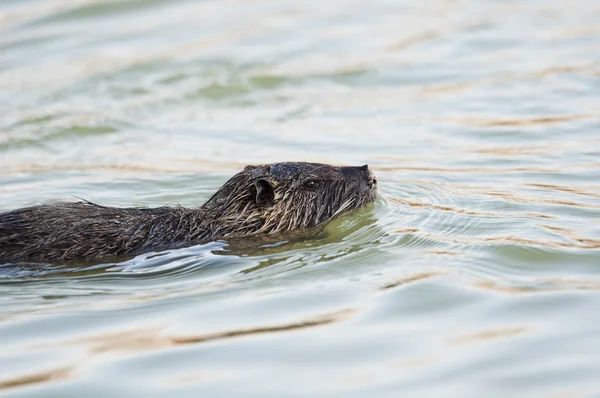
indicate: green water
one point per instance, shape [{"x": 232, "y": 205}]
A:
[{"x": 476, "y": 275}]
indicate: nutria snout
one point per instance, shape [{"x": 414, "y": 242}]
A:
[{"x": 263, "y": 199}]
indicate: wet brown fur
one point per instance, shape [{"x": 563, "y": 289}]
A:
[{"x": 263, "y": 199}]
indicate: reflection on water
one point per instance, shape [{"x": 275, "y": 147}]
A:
[{"x": 475, "y": 274}]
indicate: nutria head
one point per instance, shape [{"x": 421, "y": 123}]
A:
[{"x": 283, "y": 197}]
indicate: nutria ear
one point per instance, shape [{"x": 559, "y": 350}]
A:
[{"x": 265, "y": 195}]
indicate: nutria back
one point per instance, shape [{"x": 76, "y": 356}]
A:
[{"x": 264, "y": 199}]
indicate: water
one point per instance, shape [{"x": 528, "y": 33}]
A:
[{"x": 477, "y": 273}]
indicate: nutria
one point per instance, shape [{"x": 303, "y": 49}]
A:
[{"x": 264, "y": 199}]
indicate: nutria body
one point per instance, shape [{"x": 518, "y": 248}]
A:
[{"x": 261, "y": 199}]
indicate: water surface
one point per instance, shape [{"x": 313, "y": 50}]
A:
[{"x": 476, "y": 274}]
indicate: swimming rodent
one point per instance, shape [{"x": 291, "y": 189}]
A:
[{"x": 263, "y": 199}]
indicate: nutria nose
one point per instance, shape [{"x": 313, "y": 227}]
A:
[
  {"x": 371, "y": 179},
  {"x": 373, "y": 182},
  {"x": 362, "y": 173}
]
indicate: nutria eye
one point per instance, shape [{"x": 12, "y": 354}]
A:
[{"x": 311, "y": 185}]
